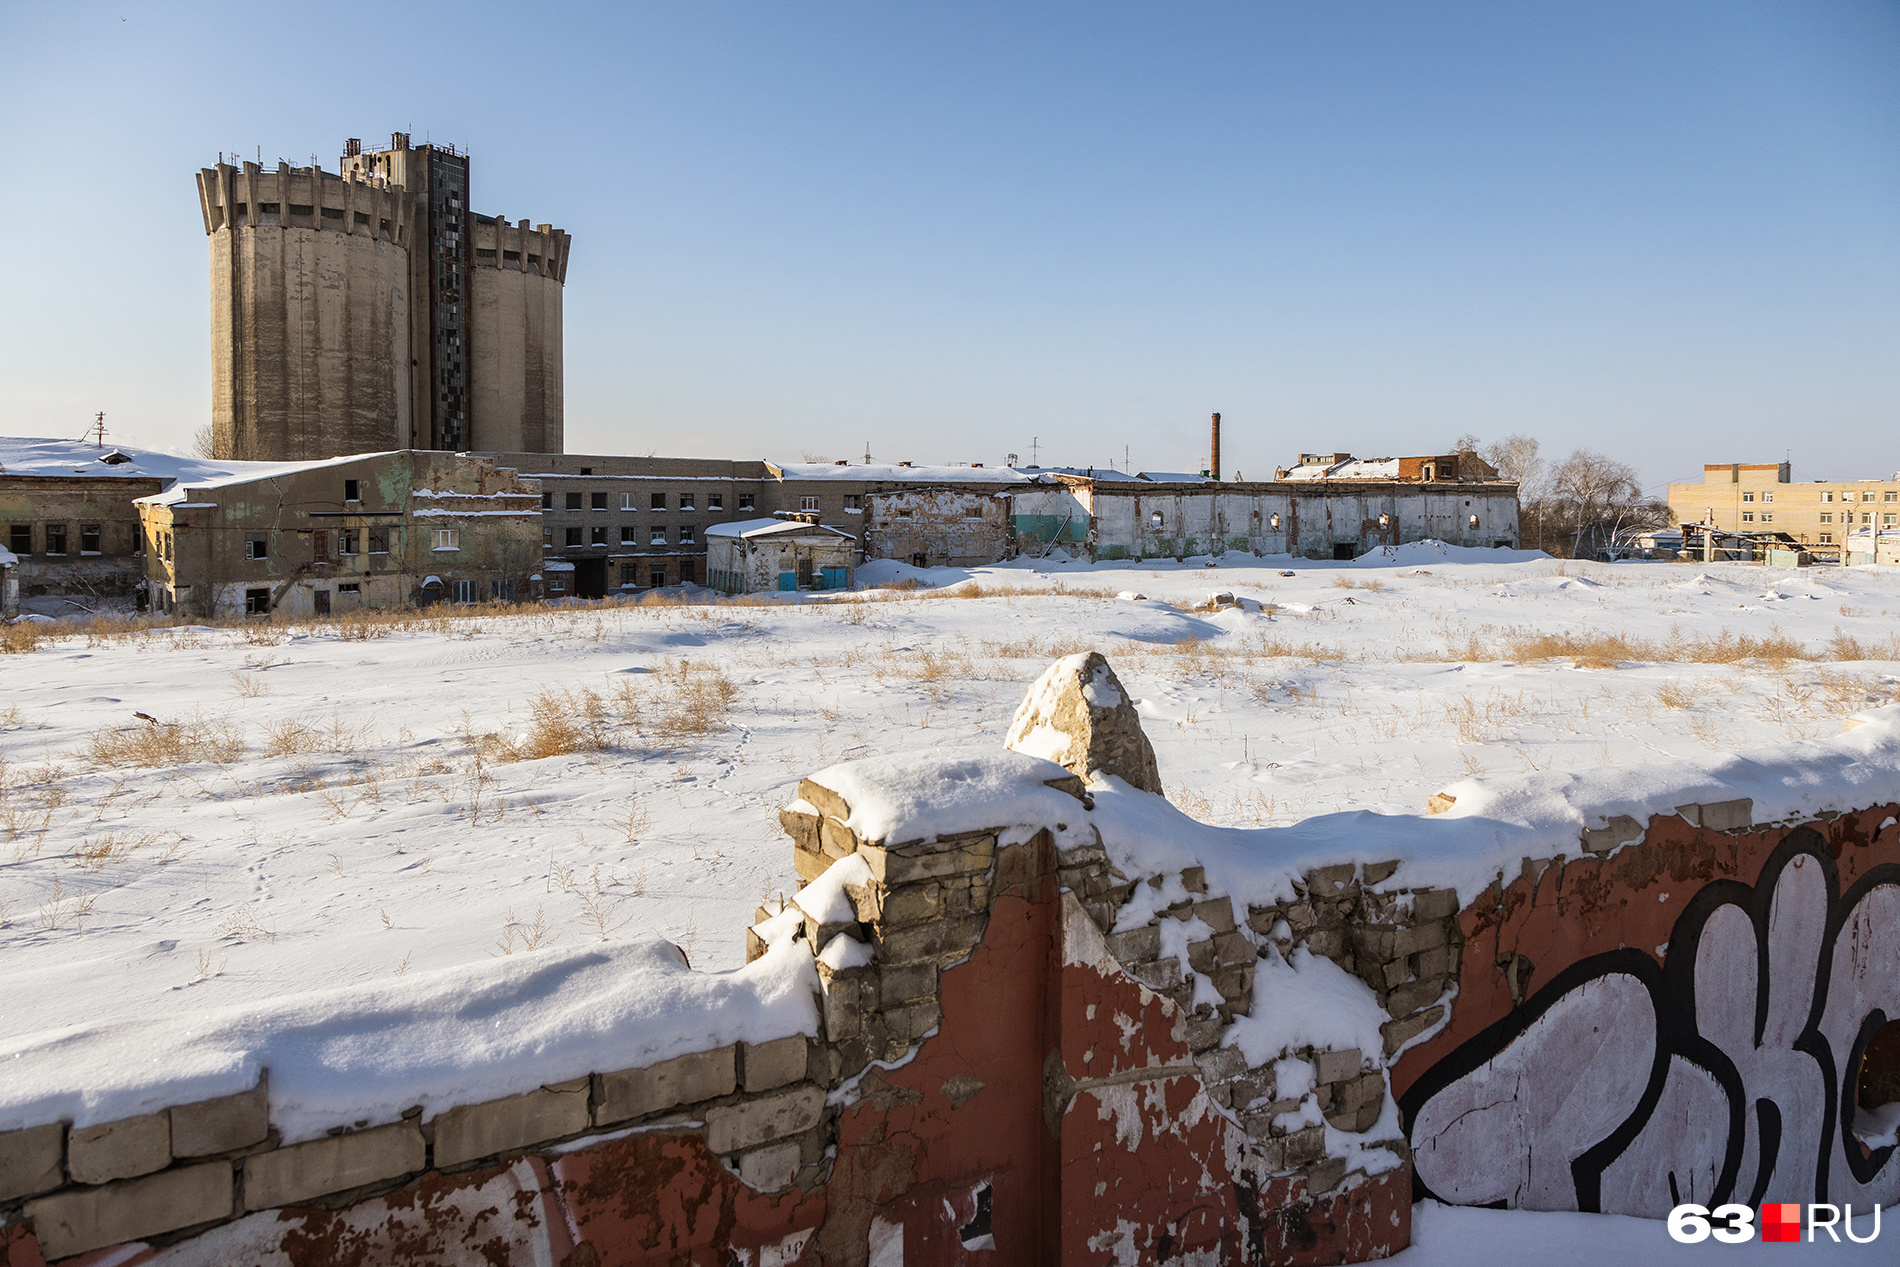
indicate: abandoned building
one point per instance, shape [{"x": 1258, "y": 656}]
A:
[
  {"x": 66, "y": 509},
  {"x": 937, "y": 527},
  {"x": 781, "y": 554},
  {"x": 1444, "y": 468},
  {"x": 378, "y": 530},
  {"x": 1314, "y": 519},
  {"x": 375, "y": 310}
]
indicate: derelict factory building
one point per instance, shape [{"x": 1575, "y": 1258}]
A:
[{"x": 373, "y": 310}]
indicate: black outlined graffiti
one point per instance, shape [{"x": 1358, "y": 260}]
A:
[{"x": 1725, "y": 1074}]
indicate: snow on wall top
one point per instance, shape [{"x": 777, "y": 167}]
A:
[
  {"x": 908, "y": 796},
  {"x": 1352, "y": 469},
  {"x": 891, "y": 472},
  {"x": 769, "y": 527},
  {"x": 190, "y": 484},
  {"x": 457, "y": 1036},
  {"x": 32, "y": 455}
]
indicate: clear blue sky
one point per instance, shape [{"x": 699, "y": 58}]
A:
[{"x": 1669, "y": 231}]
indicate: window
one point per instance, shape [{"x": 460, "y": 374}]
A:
[
  {"x": 1827, "y": 538},
  {"x": 20, "y": 538},
  {"x": 463, "y": 592},
  {"x": 557, "y": 582},
  {"x": 168, "y": 547},
  {"x": 257, "y": 602},
  {"x": 1866, "y": 497},
  {"x": 352, "y": 491},
  {"x": 55, "y": 538},
  {"x": 534, "y": 259},
  {"x": 257, "y": 545},
  {"x": 362, "y": 217},
  {"x": 573, "y": 501},
  {"x": 448, "y": 539},
  {"x": 656, "y": 577},
  {"x": 598, "y": 501},
  {"x": 1748, "y": 516},
  {"x": 587, "y": 470},
  {"x": 656, "y": 536},
  {"x": 808, "y": 503},
  {"x": 1890, "y": 496},
  {"x": 715, "y": 501},
  {"x": 483, "y": 253},
  {"x": 853, "y": 503},
  {"x": 384, "y": 225},
  {"x": 686, "y": 501},
  {"x": 1768, "y": 516},
  {"x": 1866, "y": 519},
  {"x": 1888, "y": 521},
  {"x": 266, "y": 208},
  {"x": 379, "y": 541},
  {"x": 627, "y": 537},
  {"x": 320, "y": 602},
  {"x": 504, "y": 591},
  {"x": 333, "y": 213},
  {"x": 511, "y": 255},
  {"x": 573, "y": 536},
  {"x": 597, "y": 536},
  {"x": 1827, "y": 496},
  {"x": 241, "y": 209},
  {"x": 626, "y": 501},
  {"x": 1748, "y": 497},
  {"x": 686, "y": 534},
  {"x": 346, "y": 541},
  {"x": 88, "y": 538},
  {"x": 320, "y": 545},
  {"x": 1827, "y": 516},
  {"x": 301, "y": 208},
  {"x": 1156, "y": 520},
  {"x": 1472, "y": 522},
  {"x": 745, "y": 501},
  {"x": 904, "y": 513},
  {"x": 350, "y": 587},
  {"x": 547, "y": 501},
  {"x": 657, "y": 502},
  {"x": 1768, "y": 497}
]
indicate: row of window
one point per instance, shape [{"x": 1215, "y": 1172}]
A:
[
  {"x": 1827, "y": 495},
  {"x": 629, "y": 535},
  {"x": 1827, "y": 517},
  {"x": 682, "y": 501},
  {"x": 57, "y": 538}
]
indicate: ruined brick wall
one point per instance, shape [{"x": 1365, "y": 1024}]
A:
[{"x": 942, "y": 527}]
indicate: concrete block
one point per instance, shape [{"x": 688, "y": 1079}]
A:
[
  {"x": 1328, "y": 943},
  {"x": 1304, "y": 1147},
  {"x": 1203, "y": 1032},
  {"x": 845, "y": 1000},
  {"x": 802, "y": 828},
  {"x": 1323, "y": 1177},
  {"x": 1434, "y": 903},
  {"x": 1216, "y": 912},
  {"x": 32, "y": 1161},
  {"x": 1421, "y": 936},
  {"x": 773, "y": 1064},
  {"x": 303, "y": 1172},
  {"x": 1396, "y": 973},
  {"x": 1235, "y": 985},
  {"x": 1330, "y": 881},
  {"x": 1439, "y": 802},
  {"x": 119, "y": 1150},
  {"x": 1136, "y": 945},
  {"x": 1379, "y": 872},
  {"x": 1437, "y": 963},
  {"x": 1620, "y": 830},
  {"x": 912, "y": 1021},
  {"x": 1222, "y": 1063},
  {"x": 1407, "y": 999},
  {"x": 809, "y": 864},
  {"x": 911, "y": 904},
  {"x": 770, "y": 1168},
  {"x": 911, "y": 864},
  {"x": 473, "y": 1131},
  {"x": 906, "y": 982},
  {"x": 79, "y": 1219},
  {"x": 1161, "y": 974},
  {"x": 1729, "y": 815},
  {"x": 1338, "y": 1066},
  {"x": 700, "y": 1075},
  {"x": 731, "y": 1128},
  {"x": 221, "y": 1126}
]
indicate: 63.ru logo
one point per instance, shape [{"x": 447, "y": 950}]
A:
[{"x": 1780, "y": 1221}]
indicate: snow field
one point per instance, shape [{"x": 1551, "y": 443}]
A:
[{"x": 410, "y": 809}]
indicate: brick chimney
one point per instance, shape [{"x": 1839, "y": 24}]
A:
[{"x": 1213, "y": 457}]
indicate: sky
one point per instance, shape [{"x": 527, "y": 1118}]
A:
[{"x": 1668, "y": 231}]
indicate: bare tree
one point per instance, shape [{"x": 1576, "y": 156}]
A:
[
  {"x": 1597, "y": 499},
  {"x": 814, "y": 457},
  {"x": 202, "y": 444}
]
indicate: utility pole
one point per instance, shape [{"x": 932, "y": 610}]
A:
[
  {"x": 1035, "y": 452},
  {"x": 97, "y": 431}
]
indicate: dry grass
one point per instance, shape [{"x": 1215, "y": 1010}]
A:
[
  {"x": 22, "y": 636},
  {"x": 681, "y": 700},
  {"x": 167, "y": 743}
]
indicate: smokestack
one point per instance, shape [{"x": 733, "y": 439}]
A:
[{"x": 1213, "y": 457}]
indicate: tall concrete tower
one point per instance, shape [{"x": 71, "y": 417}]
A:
[{"x": 373, "y": 310}]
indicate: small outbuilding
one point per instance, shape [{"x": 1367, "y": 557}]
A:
[{"x": 759, "y": 555}]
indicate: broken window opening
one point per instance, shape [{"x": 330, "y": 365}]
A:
[
  {"x": 379, "y": 541},
  {"x": 573, "y": 501},
  {"x": 55, "y": 538},
  {"x": 257, "y": 602},
  {"x": 352, "y": 491},
  {"x": 89, "y": 538},
  {"x": 257, "y": 545},
  {"x": 597, "y": 501},
  {"x": 657, "y": 501},
  {"x": 573, "y": 536}
]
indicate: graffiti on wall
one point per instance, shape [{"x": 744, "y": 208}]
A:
[{"x": 1731, "y": 1072}]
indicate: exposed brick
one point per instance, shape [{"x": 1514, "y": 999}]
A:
[
  {"x": 1216, "y": 912},
  {"x": 1396, "y": 973},
  {"x": 835, "y": 840},
  {"x": 1379, "y": 872},
  {"x": 119, "y": 1150},
  {"x": 1324, "y": 1176},
  {"x": 906, "y": 982},
  {"x": 1161, "y": 974},
  {"x": 910, "y": 864},
  {"x": 79, "y": 1219},
  {"x": 1194, "y": 879},
  {"x": 473, "y": 1131},
  {"x": 221, "y": 1126},
  {"x": 809, "y": 864},
  {"x": 1434, "y": 903},
  {"x": 773, "y": 1064},
  {"x": 701, "y": 1075},
  {"x": 1423, "y": 936},
  {"x": 1136, "y": 945},
  {"x": 32, "y": 1161},
  {"x": 802, "y": 828},
  {"x": 1407, "y": 999},
  {"x": 845, "y": 1000},
  {"x": 911, "y": 904},
  {"x": 927, "y": 941},
  {"x": 823, "y": 799},
  {"x": 1235, "y": 984},
  {"x": 1204, "y": 1032},
  {"x": 1398, "y": 1033},
  {"x": 1337, "y": 1066},
  {"x": 1373, "y": 944},
  {"x": 1222, "y": 1063},
  {"x": 912, "y": 1021},
  {"x": 302, "y": 1172},
  {"x": 1329, "y": 881},
  {"x": 1729, "y": 815},
  {"x": 1437, "y": 963},
  {"x": 731, "y": 1128},
  {"x": 770, "y": 1168},
  {"x": 1304, "y": 1147},
  {"x": 1328, "y": 943}
]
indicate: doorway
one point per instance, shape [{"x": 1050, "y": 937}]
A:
[
  {"x": 590, "y": 578},
  {"x": 1345, "y": 553},
  {"x": 321, "y": 598}
]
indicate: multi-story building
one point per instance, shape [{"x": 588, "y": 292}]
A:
[
  {"x": 377, "y": 530},
  {"x": 1764, "y": 498},
  {"x": 374, "y": 310}
]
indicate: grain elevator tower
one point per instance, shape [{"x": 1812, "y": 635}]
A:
[{"x": 374, "y": 310}]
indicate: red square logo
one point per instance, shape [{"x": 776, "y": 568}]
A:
[{"x": 1781, "y": 1222}]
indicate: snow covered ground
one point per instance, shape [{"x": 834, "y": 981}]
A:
[{"x": 408, "y": 808}]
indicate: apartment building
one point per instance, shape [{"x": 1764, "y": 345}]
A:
[{"x": 1737, "y": 497}]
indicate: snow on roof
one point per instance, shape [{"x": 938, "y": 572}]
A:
[
  {"x": 189, "y": 485},
  {"x": 1350, "y": 469},
  {"x": 7, "y": 557},
  {"x": 891, "y": 472},
  {"x": 1174, "y": 477},
  {"x": 769, "y": 527},
  {"x": 38, "y": 455}
]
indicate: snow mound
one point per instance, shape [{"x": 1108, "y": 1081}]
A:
[
  {"x": 908, "y": 797},
  {"x": 881, "y": 573},
  {"x": 1419, "y": 553}
]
